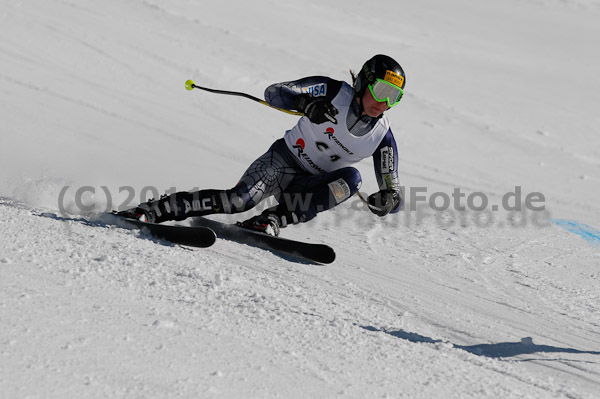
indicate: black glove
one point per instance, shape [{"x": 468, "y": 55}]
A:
[
  {"x": 318, "y": 110},
  {"x": 384, "y": 202}
]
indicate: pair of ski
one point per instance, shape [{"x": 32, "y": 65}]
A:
[{"x": 204, "y": 233}]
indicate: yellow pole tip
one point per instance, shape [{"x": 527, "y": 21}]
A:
[{"x": 189, "y": 85}]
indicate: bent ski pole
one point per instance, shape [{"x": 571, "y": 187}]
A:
[{"x": 190, "y": 85}]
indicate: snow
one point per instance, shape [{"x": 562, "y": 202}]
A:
[{"x": 424, "y": 304}]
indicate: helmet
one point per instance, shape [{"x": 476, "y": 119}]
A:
[{"x": 377, "y": 68}]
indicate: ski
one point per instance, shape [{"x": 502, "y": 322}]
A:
[
  {"x": 204, "y": 233},
  {"x": 197, "y": 236},
  {"x": 320, "y": 253}
]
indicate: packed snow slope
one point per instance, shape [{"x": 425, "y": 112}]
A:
[{"x": 501, "y": 98}]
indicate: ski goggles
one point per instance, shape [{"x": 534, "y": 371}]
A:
[{"x": 385, "y": 91}]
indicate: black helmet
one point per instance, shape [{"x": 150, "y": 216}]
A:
[{"x": 377, "y": 68}]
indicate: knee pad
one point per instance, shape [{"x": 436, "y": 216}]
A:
[{"x": 345, "y": 184}]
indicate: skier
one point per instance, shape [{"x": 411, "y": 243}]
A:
[{"x": 308, "y": 170}]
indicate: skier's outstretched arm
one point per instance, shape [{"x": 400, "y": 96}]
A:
[{"x": 311, "y": 95}]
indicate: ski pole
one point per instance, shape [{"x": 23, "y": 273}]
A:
[{"x": 190, "y": 85}]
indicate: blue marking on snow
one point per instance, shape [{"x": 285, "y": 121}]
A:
[{"x": 588, "y": 233}]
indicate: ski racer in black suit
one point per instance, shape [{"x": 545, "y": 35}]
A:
[{"x": 309, "y": 169}]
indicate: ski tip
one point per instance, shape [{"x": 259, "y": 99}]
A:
[{"x": 189, "y": 85}]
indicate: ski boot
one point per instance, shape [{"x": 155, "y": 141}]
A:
[
  {"x": 267, "y": 223},
  {"x": 142, "y": 212}
]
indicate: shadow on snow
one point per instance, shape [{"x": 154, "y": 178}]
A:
[{"x": 499, "y": 350}]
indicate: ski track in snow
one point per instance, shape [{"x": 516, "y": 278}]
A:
[{"x": 415, "y": 305}]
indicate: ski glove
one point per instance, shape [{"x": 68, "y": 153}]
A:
[
  {"x": 384, "y": 202},
  {"x": 318, "y": 110}
]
